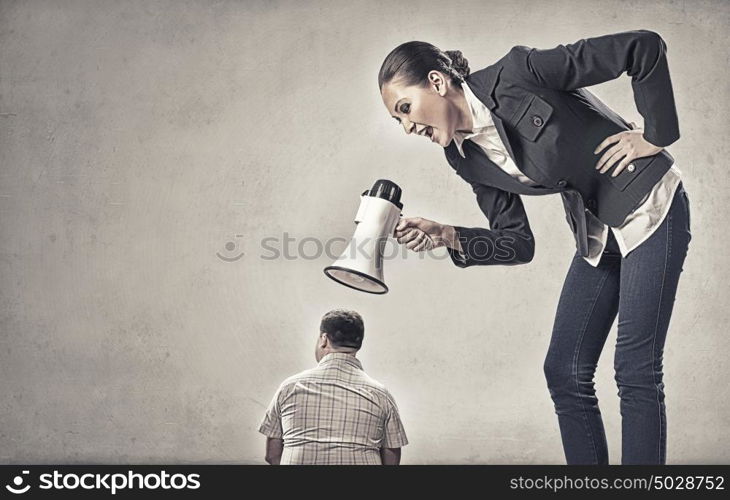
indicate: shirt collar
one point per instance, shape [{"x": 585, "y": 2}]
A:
[
  {"x": 340, "y": 357},
  {"x": 481, "y": 118}
]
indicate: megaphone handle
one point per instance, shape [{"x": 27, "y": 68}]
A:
[{"x": 394, "y": 223}]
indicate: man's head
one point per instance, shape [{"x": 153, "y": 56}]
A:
[{"x": 340, "y": 331}]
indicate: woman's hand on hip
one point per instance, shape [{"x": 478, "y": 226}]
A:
[
  {"x": 419, "y": 234},
  {"x": 627, "y": 146}
]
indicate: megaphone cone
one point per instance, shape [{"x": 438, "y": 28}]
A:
[{"x": 361, "y": 264}]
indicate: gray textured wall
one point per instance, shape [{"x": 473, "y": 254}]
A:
[{"x": 138, "y": 139}]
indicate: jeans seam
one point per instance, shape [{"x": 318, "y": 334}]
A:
[
  {"x": 667, "y": 255},
  {"x": 575, "y": 366}
]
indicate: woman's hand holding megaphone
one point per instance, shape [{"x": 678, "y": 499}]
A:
[{"x": 419, "y": 234}]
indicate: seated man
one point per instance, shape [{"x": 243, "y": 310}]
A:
[{"x": 334, "y": 413}]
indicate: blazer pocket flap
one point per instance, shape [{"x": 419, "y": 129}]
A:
[
  {"x": 532, "y": 118},
  {"x": 630, "y": 172}
]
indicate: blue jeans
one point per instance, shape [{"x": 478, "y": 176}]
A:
[{"x": 641, "y": 289}]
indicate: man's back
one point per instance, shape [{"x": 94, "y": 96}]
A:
[{"x": 334, "y": 414}]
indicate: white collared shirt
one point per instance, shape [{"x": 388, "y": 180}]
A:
[{"x": 636, "y": 228}]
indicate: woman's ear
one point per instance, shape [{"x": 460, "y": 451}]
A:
[{"x": 437, "y": 82}]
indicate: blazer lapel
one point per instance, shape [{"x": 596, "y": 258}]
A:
[{"x": 482, "y": 83}]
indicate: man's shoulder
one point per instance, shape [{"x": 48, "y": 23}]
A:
[
  {"x": 375, "y": 385},
  {"x": 302, "y": 375},
  {"x": 290, "y": 382},
  {"x": 367, "y": 379},
  {"x": 319, "y": 374}
]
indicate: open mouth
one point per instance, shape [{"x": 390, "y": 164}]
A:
[{"x": 428, "y": 132}]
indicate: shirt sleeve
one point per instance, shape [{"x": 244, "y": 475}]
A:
[
  {"x": 395, "y": 434},
  {"x": 271, "y": 424}
]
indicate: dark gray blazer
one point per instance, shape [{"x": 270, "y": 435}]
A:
[{"x": 550, "y": 126}]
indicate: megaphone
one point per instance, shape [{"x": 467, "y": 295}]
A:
[{"x": 361, "y": 264}]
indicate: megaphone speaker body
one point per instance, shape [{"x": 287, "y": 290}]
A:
[{"x": 361, "y": 264}]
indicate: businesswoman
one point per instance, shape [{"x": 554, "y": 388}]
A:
[{"x": 526, "y": 125}]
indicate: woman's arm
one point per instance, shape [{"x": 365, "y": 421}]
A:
[
  {"x": 509, "y": 241},
  {"x": 641, "y": 53}
]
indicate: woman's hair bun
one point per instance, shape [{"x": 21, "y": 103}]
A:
[
  {"x": 412, "y": 61},
  {"x": 458, "y": 62}
]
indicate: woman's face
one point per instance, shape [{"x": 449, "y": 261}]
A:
[{"x": 429, "y": 110}]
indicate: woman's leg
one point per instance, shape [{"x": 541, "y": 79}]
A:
[
  {"x": 586, "y": 310},
  {"x": 649, "y": 278}
]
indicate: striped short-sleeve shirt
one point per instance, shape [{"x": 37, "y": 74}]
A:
[{"x": 334, "y": 414}]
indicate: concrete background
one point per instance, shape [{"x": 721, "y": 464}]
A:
[{"x": 142, "y": 143}]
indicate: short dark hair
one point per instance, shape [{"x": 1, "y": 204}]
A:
[
  {"x": 343, "y": 328},
  {"x": 412, "y": 62}
]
